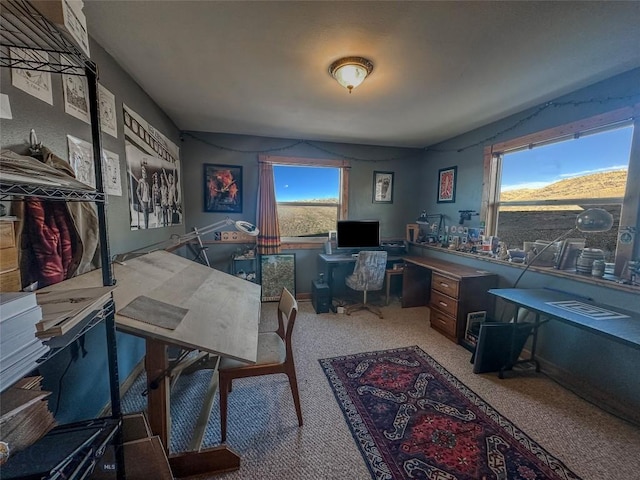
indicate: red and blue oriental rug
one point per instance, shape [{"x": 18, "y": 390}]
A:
[{"x": 412, "y": 419}]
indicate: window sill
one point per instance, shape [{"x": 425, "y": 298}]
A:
[
  {"x": 298, "y": 243},
  {"x": 544, "y": 270}
]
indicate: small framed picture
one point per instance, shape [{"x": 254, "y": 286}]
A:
[
  {"x": 447, "y": 184},
  {"x": 333, "y": 235},
  {"x": 474, "y": 320},
  {"x": 382, "y": 187},
  {"x": 277, "y": 271}
]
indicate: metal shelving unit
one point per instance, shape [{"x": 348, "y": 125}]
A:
[
  {"x": 246, "y": 264},
  {"x": 22, "y": 26}
]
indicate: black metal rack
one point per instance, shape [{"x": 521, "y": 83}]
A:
[{"x": 22, "y": 26}]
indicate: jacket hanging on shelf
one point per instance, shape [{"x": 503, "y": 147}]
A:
[{"x": 57, "y": 239}]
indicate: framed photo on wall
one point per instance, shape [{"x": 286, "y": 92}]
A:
[
  {"x": 222, "y": 188},
  {"x": 447, "y": 184},
  {"x": 277, "y": 271},
  {"x": 382, "y": 187}
]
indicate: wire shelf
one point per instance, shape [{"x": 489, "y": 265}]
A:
[
  {"x": 31, "y": 42},
  {"x": 59, "y": 343},
  {"x": 8, "y": 190}
]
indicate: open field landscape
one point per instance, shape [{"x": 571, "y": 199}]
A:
[
  {"x": 549, "y": 222},
  {"x": 515, "y": 226}
]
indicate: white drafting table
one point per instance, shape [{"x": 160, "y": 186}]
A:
[{"x": 223, "y": 318}]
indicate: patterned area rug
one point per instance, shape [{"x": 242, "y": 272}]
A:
[{"x": 412, "y": 419}]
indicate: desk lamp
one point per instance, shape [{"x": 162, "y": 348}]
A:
[
  {"x": 196, "y": 234},
  {"x": 592, "y": 220}
]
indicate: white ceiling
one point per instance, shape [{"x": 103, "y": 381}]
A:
[{"x": 441, "y": 68}]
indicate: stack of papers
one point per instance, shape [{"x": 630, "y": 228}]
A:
[{"x": 19, "y": 347}]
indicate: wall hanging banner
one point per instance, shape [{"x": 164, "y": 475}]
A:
[{"x": 153, "y": 168}]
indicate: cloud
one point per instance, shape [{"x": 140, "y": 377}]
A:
[
  {"x": 530, "y": 185},
  {"x": 562, "y": 176},
  {"x": 612, "y": 168}
]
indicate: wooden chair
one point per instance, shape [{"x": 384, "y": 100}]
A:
[{"x": 275, "y": 355}]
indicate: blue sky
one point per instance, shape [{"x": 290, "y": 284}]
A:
[
  {"x": 298, "y": 183},
  {"x": 547, "y": 164}
]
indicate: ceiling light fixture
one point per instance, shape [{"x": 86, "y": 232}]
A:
[{"x": 351, "y": 71}]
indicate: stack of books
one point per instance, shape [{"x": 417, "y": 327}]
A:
[
  {"x": 24, "y": 414},
  {"x": 19, "y": 347}
]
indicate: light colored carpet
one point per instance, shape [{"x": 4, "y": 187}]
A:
[{"x": 263, "y": 429}]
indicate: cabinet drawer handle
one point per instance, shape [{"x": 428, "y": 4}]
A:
[
  {"x": 445, "y": 285},
  {"x": 443, "y": 304}
]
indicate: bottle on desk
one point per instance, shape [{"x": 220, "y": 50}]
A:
[{"x": 597, "y": 269}]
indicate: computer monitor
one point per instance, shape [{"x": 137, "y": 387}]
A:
[{"x": 358, "y": 234}]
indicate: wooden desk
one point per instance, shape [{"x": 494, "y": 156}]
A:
[
  {"x": 451, "y": 291},
  {"x": 223, "y": 318}
]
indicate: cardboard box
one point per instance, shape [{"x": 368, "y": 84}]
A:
[
  {"x": 68, "y": 17},
  {"x": 144, "y": 455},
  {"x": 135, "y": 427}
]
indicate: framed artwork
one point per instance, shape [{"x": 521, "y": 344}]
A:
[
  {"x": 277, "y": 271},
  {"x": 222, "y": 188},
  {"x": 474, "y": 319},
  {"x": 382, "y": 187},
  {"x": 447, "y": 184},
  {"x": 571, "y": 248}
]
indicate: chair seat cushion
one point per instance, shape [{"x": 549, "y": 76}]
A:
[
  {"x": 271, "y": 349},
  {"x": 352, "y": 282}
]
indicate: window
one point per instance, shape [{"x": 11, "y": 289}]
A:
[
  {"x": 310, "y": 196},
  {"x": 535, "y": 186}
]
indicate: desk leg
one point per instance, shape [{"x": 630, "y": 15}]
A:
[
  {"x": 185, "y": 464},
  {"x": 512, "y": 352},
  {"x": 158, "y": 388},
  {"x": 388, "y": 280}
]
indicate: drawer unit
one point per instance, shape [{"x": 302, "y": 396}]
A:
[
  {"x": 9, "y": 269},
  {"x": 452, "y": 299},
  {"x": 10, "y": 281},
  {"x": 443, "y": 323},
  {"x": 452, "y": 291},
  {"x": 7, "y": 234},
  {"x": 444, "y": 303},
  {"x": 445, "y": 285}
]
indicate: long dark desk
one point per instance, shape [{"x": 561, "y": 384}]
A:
[
  {"x": 330, "y": 265},
  {"x": 611, "y": 322}
]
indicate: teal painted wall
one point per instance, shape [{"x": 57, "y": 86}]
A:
[
  {"x": 199, "y": 148},
  {"x": 607, "y": 367}
]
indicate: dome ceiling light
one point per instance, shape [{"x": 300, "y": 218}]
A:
[{"x": 351, "y": 71}]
